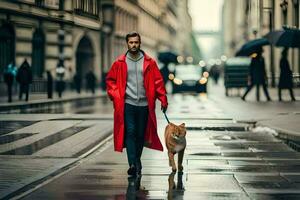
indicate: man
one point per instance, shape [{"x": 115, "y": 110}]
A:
[
  {"x": 24, "y": 77},
  {"x": 286, "y": 76},
  {"x": 91, "y": 81},
  {"x": 133, "y": 84},
  {"x": 258, "y": 76},
  {"x": 10, "y": 72}
]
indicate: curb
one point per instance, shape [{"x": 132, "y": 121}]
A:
[
  {"x": 35, "y": 104},
  {"x": 283, "y": 133}
]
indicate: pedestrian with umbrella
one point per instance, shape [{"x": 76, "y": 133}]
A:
[
  {"x": 257, "y": 76},
  {"x": 286, "y": 76},
  {"x": 287, "y": 38}
]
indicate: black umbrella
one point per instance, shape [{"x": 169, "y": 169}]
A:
[
  {"x": 252, "y": 46},
  {"x": 167, "y": 57},
  {"x": 287, "y": 37}
]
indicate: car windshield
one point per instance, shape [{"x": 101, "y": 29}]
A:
[{"x": 188, "y": 72}]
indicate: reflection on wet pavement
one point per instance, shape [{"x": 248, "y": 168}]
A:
[
  {"x": 228, "y": 164},
  {"x": 11, "y": 138},
  {"x": 10, "y": 126},
  {"x": 81, "y": 106},
  {"x": 42, "y": 143}
]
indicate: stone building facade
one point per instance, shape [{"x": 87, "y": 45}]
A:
[{"x": 30, "y": 29}]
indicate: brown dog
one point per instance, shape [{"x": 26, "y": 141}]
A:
[{"x": 175, "y": 143}]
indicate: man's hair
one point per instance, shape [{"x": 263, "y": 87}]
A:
[{"x": 133, "y": 34}]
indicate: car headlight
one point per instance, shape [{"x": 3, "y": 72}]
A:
[
  {"x": 177, "y": 81},
  {"x": 171, "y": 76},
  {"x": 203, "y": 80},
  {"x": 206, "y": 74}
]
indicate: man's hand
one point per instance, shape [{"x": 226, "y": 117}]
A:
[{"x": 164, "y": 108}]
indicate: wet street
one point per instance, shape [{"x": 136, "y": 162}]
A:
[{"x": 225, "y": 158}]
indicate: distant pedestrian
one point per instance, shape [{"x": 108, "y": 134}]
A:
[
  {"x": 77, "y": 82},
  {"x": 286, "y": 76},
  {"x": 24, "y": 78},
  {"x": 91, "y": 81},
  {"x": 60, "y": 83},
  {"x": 258, "y": 76},
  {"x": 49, "y": 85},
  {"x": 134, "y": 82},
  {"x": 214, "y": 72},
  {"x": 103, "y": 83},
  {"x": 10, "y": 73},
  {"x": 165, "y": 73}
]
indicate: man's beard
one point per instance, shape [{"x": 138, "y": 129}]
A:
[{"x": 134, "y": 50}]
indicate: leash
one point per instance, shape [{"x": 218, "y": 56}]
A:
[{"x": 166, "y": 117}]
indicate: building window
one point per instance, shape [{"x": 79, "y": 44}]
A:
[
  {"x": 40, "y": 3},
  {"x": 52, "y": 4},
  {"x": 38, "y": 53},
  {"x": 89, "y": 8}
]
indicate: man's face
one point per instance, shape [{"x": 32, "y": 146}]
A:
[{"x": 133, "y": 44}]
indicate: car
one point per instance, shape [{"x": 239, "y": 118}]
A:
[{"x": 189, "y": 78}]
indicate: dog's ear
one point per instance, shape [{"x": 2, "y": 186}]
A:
[{"x": 182, "y": 125}]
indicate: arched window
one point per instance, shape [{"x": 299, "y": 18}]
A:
[
  {"x": 84, "y": 56},
  {"x": 38, "y": 53},
  {"x": 7, "y": 46}
]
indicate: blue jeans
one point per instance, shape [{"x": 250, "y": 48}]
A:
[{"x": 136, "y": 118}]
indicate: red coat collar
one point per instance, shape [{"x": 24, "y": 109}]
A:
[
  {"x": 147, "y": 60},
  {"x": 122, "y": 58}
]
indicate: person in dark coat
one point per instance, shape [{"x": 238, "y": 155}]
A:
[
  {"x": 77, "y": 82},
  {"x": 49, "y": 85},
  {"x": 165, "y": 73},
  {"x": 24, "y": 78},
  {"x": 258, "y": 76},
  {"x": 215, "y": 73},
  {"x": 91, "y": 81},
  {"x": 286, "y": 76},
  {"x": 9, "y": 76}
]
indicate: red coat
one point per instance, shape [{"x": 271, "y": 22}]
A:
[{"x": 154, "y": 86}]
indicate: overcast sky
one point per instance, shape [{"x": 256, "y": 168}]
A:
[{"x": 206, "y": 14}]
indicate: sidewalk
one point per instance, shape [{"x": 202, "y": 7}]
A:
[{"x": 38, "y": 99}]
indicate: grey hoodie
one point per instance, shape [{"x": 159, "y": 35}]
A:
[{"x": 135, "y": 91}]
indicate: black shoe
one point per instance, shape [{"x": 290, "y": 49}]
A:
[
  {"x": 243, "y": 98},
  {"x": 131, "y": 171}
]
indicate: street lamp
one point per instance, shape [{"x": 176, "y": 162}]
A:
[
  {"x": 108, "y": 17},
  {"x": 106, "y": 42},
  {"x": 284, "y": 7},
  {"x": 60, "y": 68}
]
